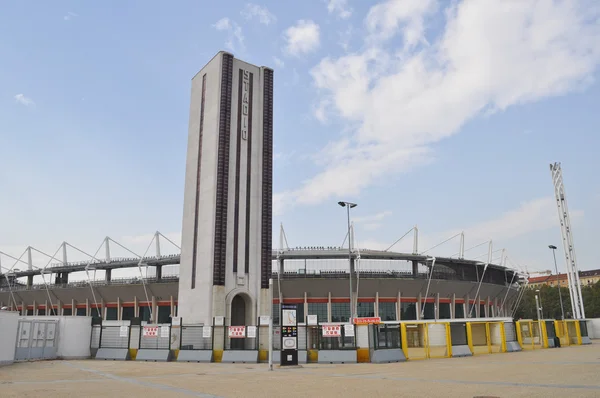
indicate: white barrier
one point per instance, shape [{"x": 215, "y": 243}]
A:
[
  {"x": 73, "y": 333},
  {"x": 9, "y": 323},
  {"x": 593, "y": 326}
]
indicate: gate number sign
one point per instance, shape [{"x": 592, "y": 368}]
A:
[
  {"x": 151, "y": 331},
  {"x": 332, "y": 331},
  {"x": 237, "y": 332}
]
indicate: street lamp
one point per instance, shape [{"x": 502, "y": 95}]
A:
[
  {"x": 349, "y": 206},
  {"x": 539, "y": 304},
  {"x": 562, "y": 310}
]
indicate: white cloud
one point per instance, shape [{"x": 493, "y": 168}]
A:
[
  {"x": 262, "y": 13},
  {"x": 531, "y": 217},
  {"x": 69, "y": 16},
  {"x": 339, "y": 7},
  {"x": 234, "y": 33},
  {"x": 223, "y": 24},
  {"x": 345, "y": 37},
  {"x": 278, "y": 62},
  {"x": 374, "y": 217},
  {"x": 23, "y": 100},
  {"x": 302, "y": 38},
  {"x": 385, "y": 20},
  {"x": 488, "y": 57}
]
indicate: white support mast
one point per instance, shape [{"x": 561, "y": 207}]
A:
[{"x": 567, "y": 236}]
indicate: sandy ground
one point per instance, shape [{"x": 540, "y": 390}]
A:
[{"x": 566, "y": 372}]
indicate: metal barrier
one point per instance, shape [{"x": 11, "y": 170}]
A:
[
  {"x": 155, "y": 337},
  {"x": 510, "y": 332},
  {"x": 439, "y": 341},
  {"x": 529, "y": 334},
  {"x": 36, "y": 339},
  {"x": 486, "y": 337},
  {"x": 333, "y": 338},
  {"x": 426, "y": 340},
  {"x": 302, "y": 338},
  {"x": 114, "y": 337},
  {"x": 196, "y": 337},
  {"x": 583, "y": 331},
  {"x": 574, "y": 332},
  {"x": 387, "y": 337},
  {"x": 95, "y": 339},
  {"x": 240, "y": 338},
  {"x": 549, "y": 339},
  {"x": 414, "y": 340},
  {"x": 560, "y": 328}
]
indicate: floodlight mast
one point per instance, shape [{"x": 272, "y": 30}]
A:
[{"x": 568, "y": 245}]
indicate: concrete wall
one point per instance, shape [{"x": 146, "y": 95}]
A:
[
  {"x": 9, "y": 322},
  {"x": 74, "y": 335}
]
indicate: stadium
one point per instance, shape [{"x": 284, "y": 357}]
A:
[
  {"x": 390, "y": 285},
  {"x": 214, "y": 298}
]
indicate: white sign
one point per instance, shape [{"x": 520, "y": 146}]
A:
[
  {"x": 123, "y": 331},
  {"x": 206, "y": 331},
  {"x": 219, "y": 320},
  {"x": 176, "y": 321},
  {"x": 165, "y": 331},
  {"x": 252, "y": 332},
  {"x": 245, "y": 103},
  {"x": 264, "y": 319},
  {"x": 348, "y": 330},
  {"x": 236, "y": 332},
  {"x": 150, "y": 331},
  {"x": 289, "y": 317},
  {"x": 311, "y": 319},
  {"x": 332, "y": 331}
]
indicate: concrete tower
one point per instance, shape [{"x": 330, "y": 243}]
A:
[{"x": 227, "y": 218}]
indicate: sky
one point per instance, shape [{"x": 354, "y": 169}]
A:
[{"x": 440, "y": 114}]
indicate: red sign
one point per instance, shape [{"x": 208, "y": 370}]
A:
[
  {"x": 237, "y": 332},
  {"x": 367, "y": 321},
  {"x": 332, "y": 331},
  {"x": 150, "y": 331}
]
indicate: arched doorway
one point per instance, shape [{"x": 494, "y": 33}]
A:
[
  {"x": 238, "y": 311},
  {"x": 238, "y": 318}
]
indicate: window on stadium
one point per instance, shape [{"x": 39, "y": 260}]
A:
[
  {"x": 145, "y": 313},
  {"x": 365, "y": 310},
  {"x": 340, "y": 312},
  {"x": 429, "y": 312},
  {"x": 445, "y": 311},
  {"x": 164, "y": 312},
  {"x": 111, "y": 314},
  {"x": 408, "y": 311},
  {"x": 387, "y": 311},
  {"x": 318, "y": 309}
]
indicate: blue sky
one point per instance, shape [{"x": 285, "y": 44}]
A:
[{"x": 445, "y": 116}]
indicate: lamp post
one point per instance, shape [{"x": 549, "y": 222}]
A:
[
  {"x": 539, "y": 304},
  {"x": 349, "y": 206},
  {"x": 562, "y": 310}
]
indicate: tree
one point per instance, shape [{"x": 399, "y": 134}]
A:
[{"x": 550, "y": 302}]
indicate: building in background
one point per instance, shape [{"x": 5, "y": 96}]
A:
[{"x": 586, "y": 278}]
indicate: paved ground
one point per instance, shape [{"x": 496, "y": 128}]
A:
[{"x": 566, "y": 372}]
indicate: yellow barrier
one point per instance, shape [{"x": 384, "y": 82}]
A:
[
  {"x": 529, "y": 334},
  {"x": 562, "y": 333},
  {"x": 571, "y": 331},
  {"x": 422, "y": 340},
  {"x": 486, "y": 337}
]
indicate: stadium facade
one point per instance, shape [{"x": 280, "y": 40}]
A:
[{"x": 226, "y": 257}]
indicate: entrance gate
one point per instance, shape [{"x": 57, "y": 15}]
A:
[{"x": 36, "y": 339}]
